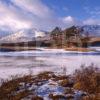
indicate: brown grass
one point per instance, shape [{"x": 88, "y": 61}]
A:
[
  {"x": 78, "y": 49},
  {"x": 88, "y": 79},
  {"x": 9, "y": 87}
]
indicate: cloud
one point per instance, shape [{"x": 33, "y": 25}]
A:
[
  {"x": 36, "y": 7},
  {"x": 19, "y": 14},
  {"x": 94, "y": 15},
  {"x": 91, "y": 21},
  {"x": 12, "y": 17},
  {"x": 68, "y": 20},
  {"x": 93, "y": 12}
]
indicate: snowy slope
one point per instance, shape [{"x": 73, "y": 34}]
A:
[
  {"x": 93, "y": 30},
  {"x": 23, "y": 36}
]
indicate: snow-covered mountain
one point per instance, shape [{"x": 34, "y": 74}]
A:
[
  {"x": 93, "y": 30},
  {"x": 23, "y": 36}
]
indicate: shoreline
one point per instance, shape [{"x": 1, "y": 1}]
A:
[{"x": 19, "y": 48}]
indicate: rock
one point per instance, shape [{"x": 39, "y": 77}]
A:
[
  {"x": 37, "y": 98},
  {"x": 45, "y": 75},
  {"x": 60, "y": 77},
  {"x": 68, "y": 90},
  {"x": 57, "y": 97},
  {"x": 66, "y": 83},
  {"x": 79, "y": 95},
  {"x": 70, "y": 96}
]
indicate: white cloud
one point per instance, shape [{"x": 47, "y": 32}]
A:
[
  {"x": 30, "y": 13},
  {"x": 35, "y": 7},
  {"x": 94, "y": 15},
  {"x": 20, "y": 14},
  {"x": 91, "y": 21},
  {"x": 11, "y": 17},
  {"x": 93, "y": 12},
  {"x": 68, "y": 20}
]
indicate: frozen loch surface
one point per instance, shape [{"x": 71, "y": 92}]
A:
[{"x": 24, "y": 62}]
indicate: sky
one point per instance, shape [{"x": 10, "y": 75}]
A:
[{"x": 47, "y": 14}]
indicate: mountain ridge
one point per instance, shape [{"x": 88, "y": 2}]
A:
[
  {"x": 32, "y": 34},
  {"x": 24, "y": 35}
]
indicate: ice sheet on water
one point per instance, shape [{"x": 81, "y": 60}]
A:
[
  {"x": 12, "y": 63},
  {"x": 48, "y": 52}
]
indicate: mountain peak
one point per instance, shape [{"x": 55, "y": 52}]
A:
[{"x": 23, "y": 35}]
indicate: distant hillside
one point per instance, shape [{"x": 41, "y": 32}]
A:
[
  {"x": 93, "y": 30},
  {"x": 75, "y": 36},
  {"x": 72, "y": 36},
  {"x": 24, "y": 35}
]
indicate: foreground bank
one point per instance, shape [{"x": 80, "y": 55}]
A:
[{"x": 83, "y": 84}]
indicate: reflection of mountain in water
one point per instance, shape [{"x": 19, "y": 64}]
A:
[
  {"x": 48, "y": 52},
  {"x": 96, "y": 44},
  {"x": 6, "y": 50}
]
